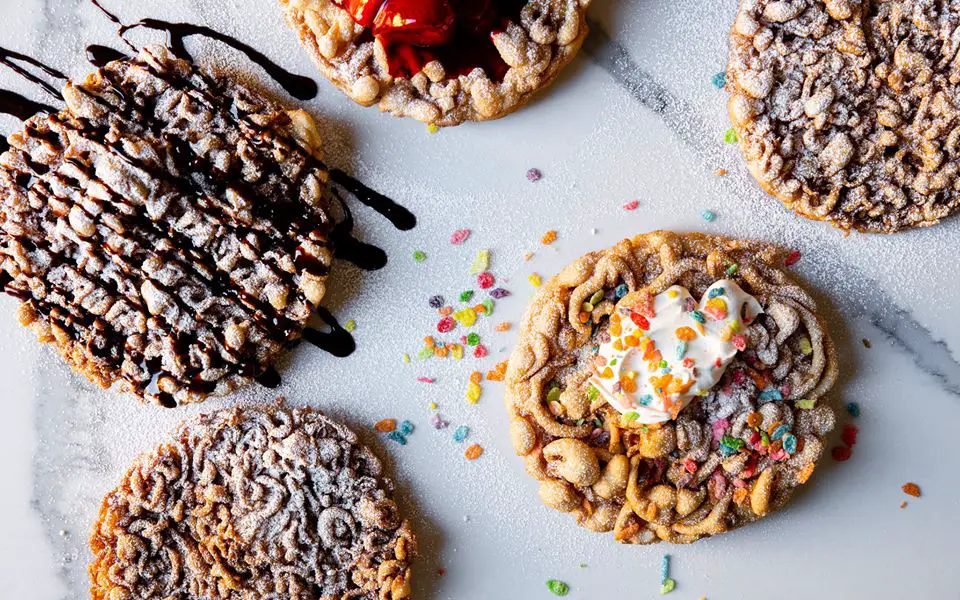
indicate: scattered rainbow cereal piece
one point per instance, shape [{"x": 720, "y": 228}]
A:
[
  {"x": 557, "y": 587},
  {"x": 911, "y": 489},
  {"x": 459, "y": 236}
]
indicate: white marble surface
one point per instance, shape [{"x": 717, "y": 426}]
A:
[{"x": 634, "y": 117}]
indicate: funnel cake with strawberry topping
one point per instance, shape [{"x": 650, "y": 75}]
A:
[
  {"x": 442, "y": 62},
  {"x": 672, "y": 387}
]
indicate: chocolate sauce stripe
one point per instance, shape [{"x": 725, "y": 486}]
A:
[
  {"x": 257, "y": 309},
  {"x": 9, "y": 58},
  {"x": 23, "y": 108},
  {"x": 301, "y": 88},
  {"x": 399, "y": 216},
  {"x": 209, "y": 174},
  {"x": 172, "y": 233},
  {"x": 99, "y": 56},
  {"x": 121, "y": 262},
  {"x": 255, "y": 314},
  {"x": 212, "y": 177}
]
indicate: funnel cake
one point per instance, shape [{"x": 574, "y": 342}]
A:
[
  {"x": 846, "y": 110},
  {"x": 167, "y": 230},
  {"x": 673, "y": 461},
  {"x": 253, "y": 503},
  {"x": 442, "y": 62}
]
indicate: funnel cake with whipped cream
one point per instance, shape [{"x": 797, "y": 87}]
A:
[
  {"x": 442, "y": 62},
  {"x": 250, "y": 503},
  {"x": 168, "y": 230},
  {"x": 672, "y": 387}
]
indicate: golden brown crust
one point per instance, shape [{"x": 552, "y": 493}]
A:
[
  {"x": 710, "y": 470},
  {"x": 548, "y": 37}
]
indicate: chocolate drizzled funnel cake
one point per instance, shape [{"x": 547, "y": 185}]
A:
[
  {"x": 671, "y": 387},
  {"x": 846, "y": 110},
  {"x": 442, "y": 62},
  {"x": 253, "y": 503},
  {"x": 168, "y": 231}
]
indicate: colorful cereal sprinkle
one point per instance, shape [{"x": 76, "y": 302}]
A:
[
  {"x": 459, "y": 236},
  {"x": 405, "y": 428},
  {"x": 709, "y": 216},
  {"x": 461, "y": 433},
  {"x": 473, "y": 452},
  {"x": 557, "y": 587},
  {"x": 386, "y": 425},
  {"x": 667, "y": 586},
  {"x": 419, "y": 256},
  {"x": 730, "y": 136},
  {"x": 535, "y": 280},
  {"x": 719, "y": 80},
  {"x": 474, "y": 392},
  {"x": 503, "y": 326},
  {"x": 849, "y": 435},
  {"x": 438, "y": 421},
  {"x": 805, "y": 473},
  {"x": 632, "y": 205},
  {"x": 534, "y": 175},
  {"x": 398, "y": 437},
  {"x": 350, "y": 326},
  {"x": 854, "y": 409},
  {"x": 549, "y": 238},
  {"x": 499, "y": 293},
  {"x": 911, "y": 489},
  {"x": 481, "y": 262},
  {"x": 485, "y": 280},
  {"x": 498, "y": 372},
  {"x": 792, "y": 258}
]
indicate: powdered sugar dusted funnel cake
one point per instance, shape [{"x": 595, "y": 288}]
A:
[
  {"x": 442, "y": 62},
  {"x": 253, "y": 503},
  {"x": 671, "y": 387},
  {"x": 846, "y": 110}
]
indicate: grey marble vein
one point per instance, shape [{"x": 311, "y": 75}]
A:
[
  {"x": 611, "y": 56},
  {"x": 930, "y": 355}
]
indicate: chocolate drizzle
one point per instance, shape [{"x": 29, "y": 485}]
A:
[
  {"x": 21, "y": 107},
  {"x": 192, "y": 175},
  {"x": 337, "y": 341},
  {"x": 400, "y": 217},
  {"x": 12, "y": 60},
  {"x": 99, "y": 56},
  {"x": 298, "y": 86},
  {"x": 12, "y": 103}
]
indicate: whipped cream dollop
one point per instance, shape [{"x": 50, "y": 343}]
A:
[{"x": 667, "y": 349}]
